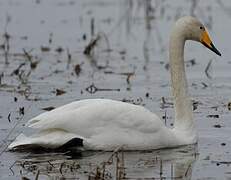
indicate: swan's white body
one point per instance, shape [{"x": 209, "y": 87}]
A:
[{"x": 104, "y": 124}]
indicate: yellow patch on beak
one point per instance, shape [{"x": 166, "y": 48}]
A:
[{"x": 205, "y": 39}]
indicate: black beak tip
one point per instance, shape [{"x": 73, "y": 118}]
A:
[
  {"x": 214, "y": 49},
  {"x": 219, "y": 53}
]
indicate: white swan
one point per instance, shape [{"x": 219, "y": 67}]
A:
[{"x": 103, "y": 124}]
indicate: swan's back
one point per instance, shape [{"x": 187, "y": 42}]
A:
[
  {"x": 97, "y": 113},
  {"x": 100, "y": 123}
]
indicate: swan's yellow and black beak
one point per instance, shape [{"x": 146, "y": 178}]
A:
[{"x": 206, "y": 41}]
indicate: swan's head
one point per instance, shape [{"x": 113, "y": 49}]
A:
[{"x": 193, "y": 29}]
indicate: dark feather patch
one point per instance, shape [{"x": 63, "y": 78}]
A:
[{"x": 75, "y": 142}]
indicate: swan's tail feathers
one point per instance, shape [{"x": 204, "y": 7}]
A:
[
  {"x": 21, "y": 139},
  {"x": 49, "y": 139}
]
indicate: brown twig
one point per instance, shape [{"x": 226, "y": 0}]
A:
[{"x": 91, "y": 45}]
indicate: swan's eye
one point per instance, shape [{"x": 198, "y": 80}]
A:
[{"x": 201, "y": 27}]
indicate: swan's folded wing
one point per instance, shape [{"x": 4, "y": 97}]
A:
[
  {"x": 92, "y": 118},
  {"x": 62, "y": 109},
  {"x": 95, "y": 123}
]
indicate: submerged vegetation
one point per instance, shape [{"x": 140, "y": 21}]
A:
[{"x": 118, "y": 50}]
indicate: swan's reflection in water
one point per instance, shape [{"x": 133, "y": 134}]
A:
[
  {"x": 159, "y": 164},
  {"x": 163, "y": 164}
]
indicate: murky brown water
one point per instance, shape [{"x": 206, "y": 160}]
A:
[{"x": 42, "y": 65}]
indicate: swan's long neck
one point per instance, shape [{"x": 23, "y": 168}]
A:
[{"x": 182, "y": 102}]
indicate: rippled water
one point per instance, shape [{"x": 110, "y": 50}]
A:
[{"x": 42, "y": 65}]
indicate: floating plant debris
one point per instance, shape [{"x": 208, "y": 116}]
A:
[
  {"x": 21, "y": 111},
  {"x": 49, "y": 108},
  {"x": 221, "y": 162},
  {"x": 68, "y": 58},
  {"x": 188, "y": 63},
  {"x": 128, "y": 74},
  {"x": 204, "y": 85},
  {"x": 84, "y": 37},
  {"x": 49, "y": 55},
  {"x": 33, "y": 64},
  {"x": 213, "y": 116},
  {"x": 92, "y": 27},
  {"x": 8, "y": 117},
  {"x": 195, "y": 105},
  {"x": 59, "y": 50},
  {"x": 147, "y": 95},
  {"x": 77, "y": 69},
  {"x": 1, "y": 77},
  {"x": 93, "y": 89},
  {"x": 90, "y": 46},
  {"x": 59, "y": 92},
  {"x": 45, "y": 48},
  {"x": 123, "y": 52},
  {"x": 137, "y": 101},
  {"x": 229, "y": 106},
  {"x": 50, "y": 38},
  {"x": 207, "y": 69},
  {"x": 217, "y": 126},
  {"x": 16, "y": 71},
  {"x": 165, "y": 104}
]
